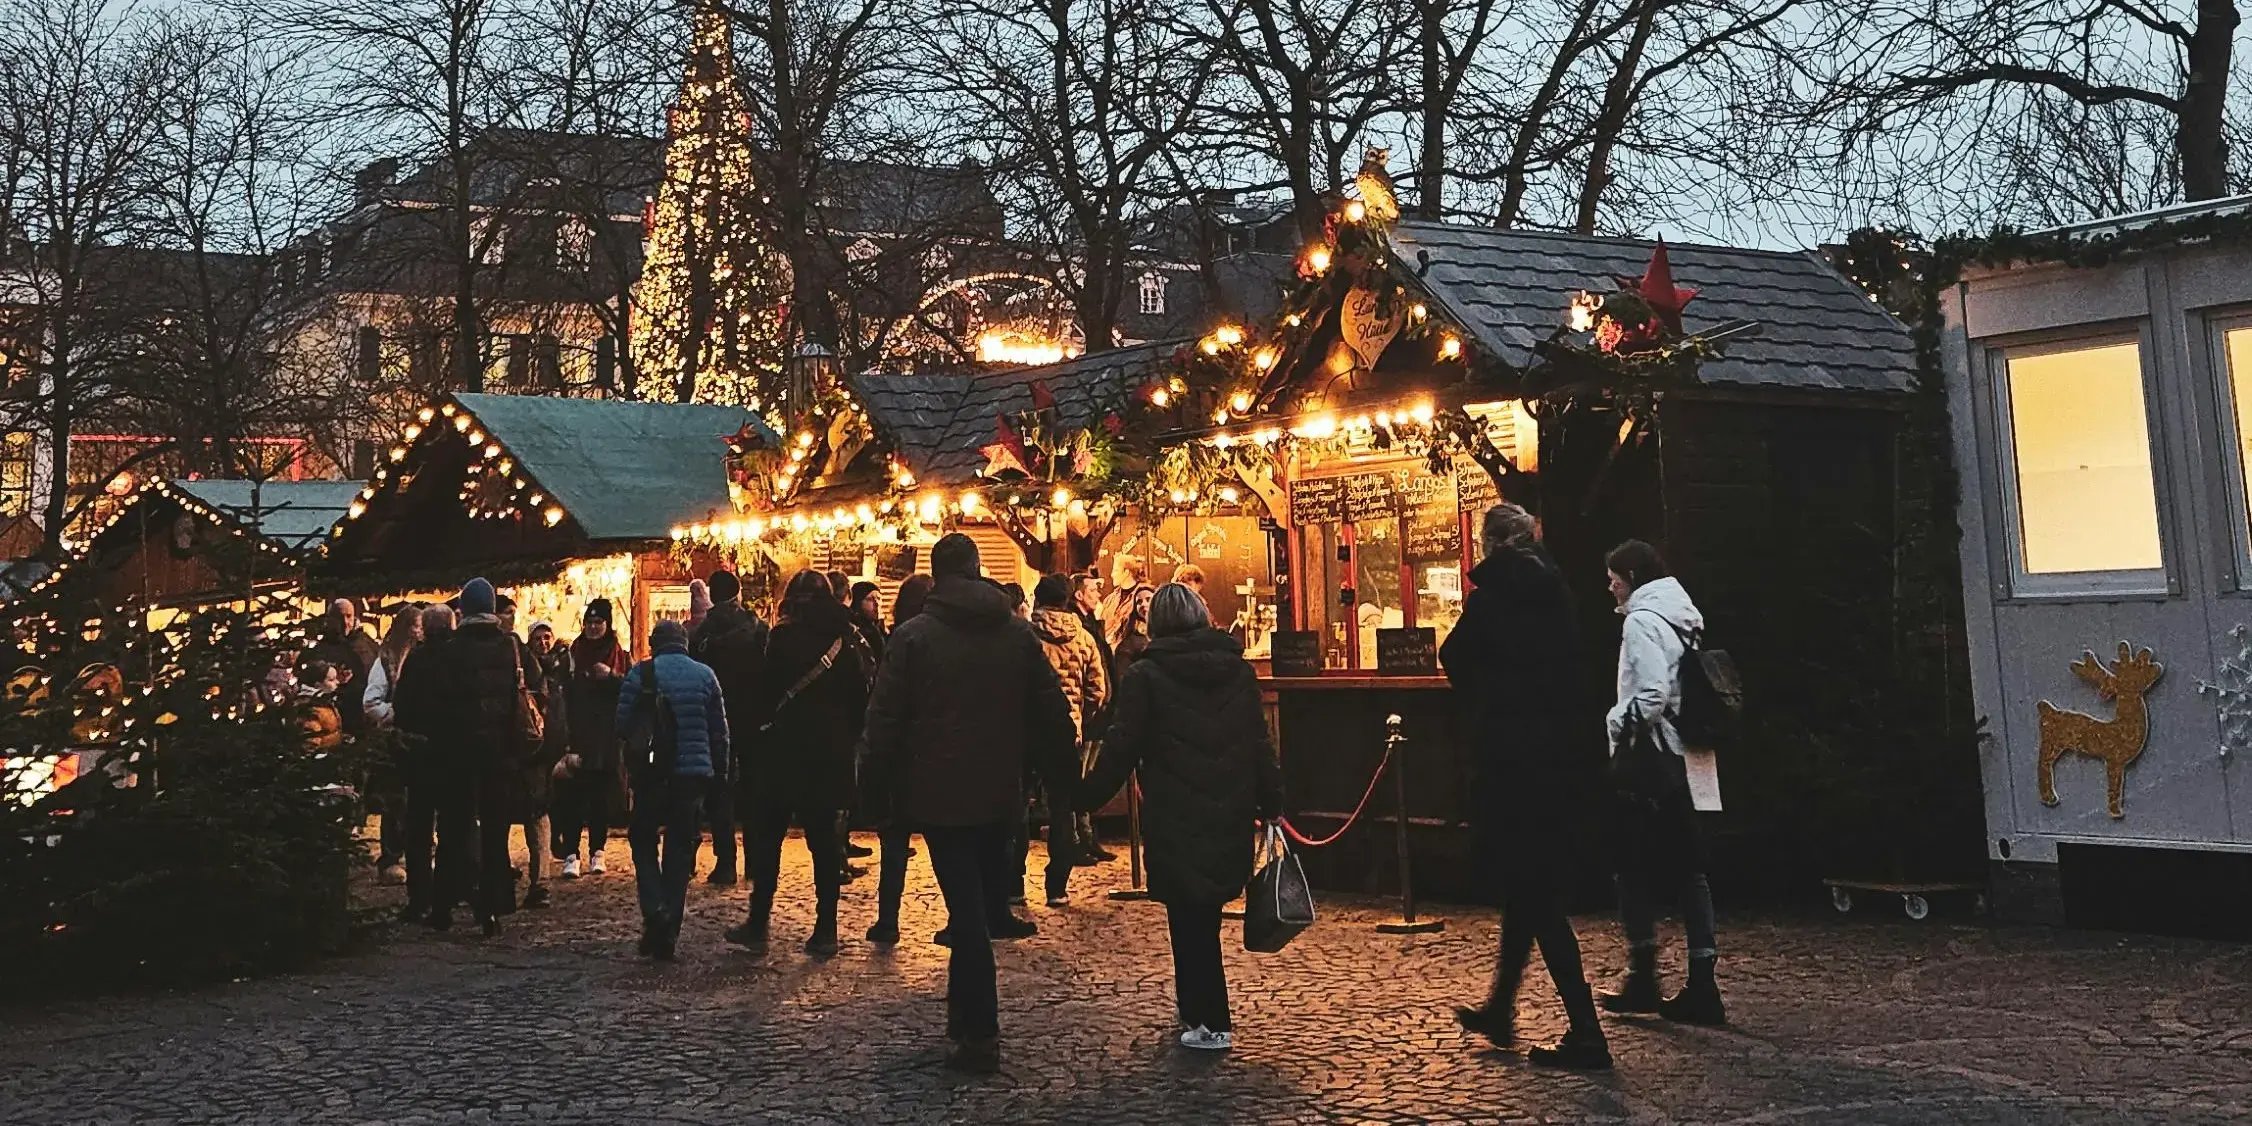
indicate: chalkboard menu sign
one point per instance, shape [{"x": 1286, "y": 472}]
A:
[
  {"x": 1297, "y": 652},
  {"x": 894, "y": 562},
  {"x": 1369, "y": 496},
  {"x": 1434, "y": 524},
  {"x": 1317, "y": 500},
  {"x": 1475, "y": 487},
  {"x": 1407, "y": 652}
]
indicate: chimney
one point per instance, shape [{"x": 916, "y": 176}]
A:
[{"x": 369, "y": 184}]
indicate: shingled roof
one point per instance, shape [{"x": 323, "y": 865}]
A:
[
  {"x": 937, "y": 423},
  {"x": 293, "y": 515},
  {"x": 622, "y": 470},
  {"x": 1510, "y": 288}
]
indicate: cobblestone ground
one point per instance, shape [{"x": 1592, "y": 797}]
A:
[{"x": 1855, "y": 1019}]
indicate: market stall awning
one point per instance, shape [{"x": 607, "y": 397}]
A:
[
  {"x": 179, "y": 542},
  {"x": 1510, "y": 288}
]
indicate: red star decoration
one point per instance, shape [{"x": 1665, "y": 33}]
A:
[
  {"x": 1657, "y": 288},
  {"x": 1042, "y": 398},
  {"x": 1007, "y": 451}
]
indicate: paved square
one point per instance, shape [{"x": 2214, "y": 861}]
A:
[{"x": 1863, "y": 1019}]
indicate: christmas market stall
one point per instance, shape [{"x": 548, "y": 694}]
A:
[
  {"x": 190, "y": 543},
  {"x": 2100, "y": 383},
  {"x": 559, "y": 501},
  {"x": 1739, "y": 408}
]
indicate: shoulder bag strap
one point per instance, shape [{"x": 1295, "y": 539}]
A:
[{"x": 804, "y": 682}]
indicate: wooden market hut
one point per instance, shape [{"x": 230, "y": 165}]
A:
[
  {"x": 559, "y": 500},
  {"x": 1770, "y": 480},
  {"x": 188, "y": 543}
]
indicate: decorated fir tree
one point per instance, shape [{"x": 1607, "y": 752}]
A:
[{"x": 709, "y": 308}]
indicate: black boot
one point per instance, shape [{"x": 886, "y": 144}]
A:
[
  {"x": 1497, "y": 1024},
  {"x": 884, "y": 933},
  {"x": 1638, "y": 992},
  {"x": 751, "y": 935},
  {"x": 979, "y": 1056},
  {"x": 1581, "y": 1049},
  {"x": 1699, "y": 1001},
  {"x": 823, "y": 944}
]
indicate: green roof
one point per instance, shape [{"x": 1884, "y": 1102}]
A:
[
  {"x": 296, "y": 515},
  {"x": 623, "y": 470}
]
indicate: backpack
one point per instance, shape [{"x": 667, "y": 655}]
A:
[
  {"x": 655, "y": 741},
  {"x": 1711, "y": 715}
]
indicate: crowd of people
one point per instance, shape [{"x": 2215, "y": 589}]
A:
[{"x": 943, "y": 721}]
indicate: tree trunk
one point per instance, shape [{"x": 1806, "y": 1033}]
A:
[
  {"x": 2199, "y": 142},
  {"x": 1431, "y": 170},
  {"x": 58, "y": 473}
]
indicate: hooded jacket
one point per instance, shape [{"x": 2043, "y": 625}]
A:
[
  {"x": 804, "y": 760},
  {"x": 1651, "y": 646},
  {"x": 1188, "y": 719},
  {"x": 1071, "y": 651},
  {"x": 964, "y": 702}
]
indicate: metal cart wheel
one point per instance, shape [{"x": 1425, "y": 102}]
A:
[
  {"x": 1917, "y": 906},
  {"x": 1841, "y": 899}
]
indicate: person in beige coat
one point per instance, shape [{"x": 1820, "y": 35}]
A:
[{"x": 1079, "y": 666}]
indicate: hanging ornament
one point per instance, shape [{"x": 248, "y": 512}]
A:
[
  {"x": 1658, "y": 292},
  {"x": 1368, "y": 322},
  {"x": 1006, "y": 454}
]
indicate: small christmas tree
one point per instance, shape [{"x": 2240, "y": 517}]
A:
[{"x": 709, "y": 308}]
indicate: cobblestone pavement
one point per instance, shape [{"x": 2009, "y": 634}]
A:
[{"x": 1857, "y": 1019}]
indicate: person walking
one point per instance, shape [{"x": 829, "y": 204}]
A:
[
  {"x": 877, "y": 795},
  {"x": 412, "y": 707},
  {"x": 593, "y": 768},
  {"x": 964, "y": 699},
  {"x": 1660, "y": 840},
  {"x": 387, "y": 786},
  {"x": 1078, "y": 663},
  {"x": 472, "y": 685},
  {"x": 1188, "y": 722},
  {"x": 796, "y": 748},
  {"x": 1517, "y": 662},
  {"x": 672, "y": 704},
  {"x": 731, "y": 641}
]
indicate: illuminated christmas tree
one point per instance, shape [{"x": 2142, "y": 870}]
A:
[{"x": 713, "y": 294}]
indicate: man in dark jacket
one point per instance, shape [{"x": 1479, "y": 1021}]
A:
[
  {"x": 731, "y": 641},
  {"x": 350, "y": 648},
  {"x": 964, "y": 701},
  {"x": 690, "y": 731},
  {"x": 471, "y": 691},
  {"x": 1515, "y": 657},
  {"x": 414, "y": 708}
]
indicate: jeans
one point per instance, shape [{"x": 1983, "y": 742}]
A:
[
  {"x": 720, "y": 809},
  {"x": 1638, "y": 912},
  {"x": 582, "y": 807},
  {"x": 668, "y": 816},
  {"x": 1200, "y": 982},
  {"x": 972, "y": 867},
  {"x": 1665, "y": 848},
  {"x": 1532, "y": 910},
  {"x": 419, "y": 827},
  {"x": 891, "y": 874},
  {"x": 767, "y": 828}
]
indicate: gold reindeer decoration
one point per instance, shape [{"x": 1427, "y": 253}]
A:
[{"x": 2117, "y": 741}]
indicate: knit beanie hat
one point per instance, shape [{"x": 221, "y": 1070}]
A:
[
  {"x": 598, "y": 611},
  {"x": 956, "y": 557},
  {"x": 862, "y": 590},
  {"x": 724, "y": 586},
  {"x": 476, "y": 598}
]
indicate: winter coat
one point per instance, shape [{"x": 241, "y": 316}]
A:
[
  {"x": 592, "y": 702},
  {"x": 731, "y": 641},
  {"x": 805, "y": 758},
  {"x": 352, "y": 654},
  {"x": 1650, "y": 652},
  {"x": 698, "y": 707},
  {"x": 1519, "y": 668},
  {"x": 964, "y": 702},
  {"x": 459, "y": 694},
  {"x": 530, "y": 798},
  {"x": 376, "y": 700},
  {"x": 1078, "y": 663},
  {"x": 1188, "y": 719}
]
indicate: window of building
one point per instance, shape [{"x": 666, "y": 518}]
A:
[
  {"x": 2083, "y": 491},
  {"x": 574, "y": 241},
  {"x": 1153, "y": 295}
]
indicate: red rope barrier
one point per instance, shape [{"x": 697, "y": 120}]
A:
[{"x": 1304, "y": 841}]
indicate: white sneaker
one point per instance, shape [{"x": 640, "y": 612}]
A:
[
  {"x": 594, "y": 864},
  {"x": 571, "y": 867},
  {"x": 1058, "y": 901},
  {"x": 1205, "y": 1040}
]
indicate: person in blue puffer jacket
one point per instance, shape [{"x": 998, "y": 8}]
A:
[{"x": 668, "y": 799}]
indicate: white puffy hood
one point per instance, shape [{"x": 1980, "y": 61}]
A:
[
  {"x": 1650, "y": 655},
  {"x": 1668, "y": 600}
]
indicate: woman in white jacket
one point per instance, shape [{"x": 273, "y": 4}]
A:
[
  {"x": 1659, "y": 841},
  {"x": 387, "y": 792}
]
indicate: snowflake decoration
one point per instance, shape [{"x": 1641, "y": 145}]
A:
[{"x": 2232, "y": 696}]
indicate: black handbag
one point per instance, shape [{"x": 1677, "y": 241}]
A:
[
  {"x": 1279, "y": 903},
  {"x": 1643, "y": 772}
]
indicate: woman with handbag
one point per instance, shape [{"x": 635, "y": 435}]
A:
[
  {"x": 1516, "y": 660},
  {"x": 797, "y": 750},
  {"x": 1659, "y": 839},
  {"x": 1188, "y": 724}
]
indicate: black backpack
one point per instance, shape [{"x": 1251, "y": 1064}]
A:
[
  {"x": 654, "y": 741},
  {"x": 1712, "y": 696}
]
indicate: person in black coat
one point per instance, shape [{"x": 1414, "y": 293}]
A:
[
  {"x": 796, "y": 745},
  {"x": 1188, "y": 720},
  {"x": 731, "y": 640},
  {"x": 1516, "y": 659},
  {"x": 877, "y": 797}
]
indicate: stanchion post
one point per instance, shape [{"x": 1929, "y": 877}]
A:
[
  {"x": 1407, "y": 923},
  {"x": 1133, "y": 844}
]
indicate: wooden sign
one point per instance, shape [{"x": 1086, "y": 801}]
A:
[
  {"x": 1366, "y": 326},
  {"x": 1317, "y": 500},
  {"x": 1297, "y": 652},
  {"x": 894, "y": 562},
  {"x": 1407, "y": 652}
]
